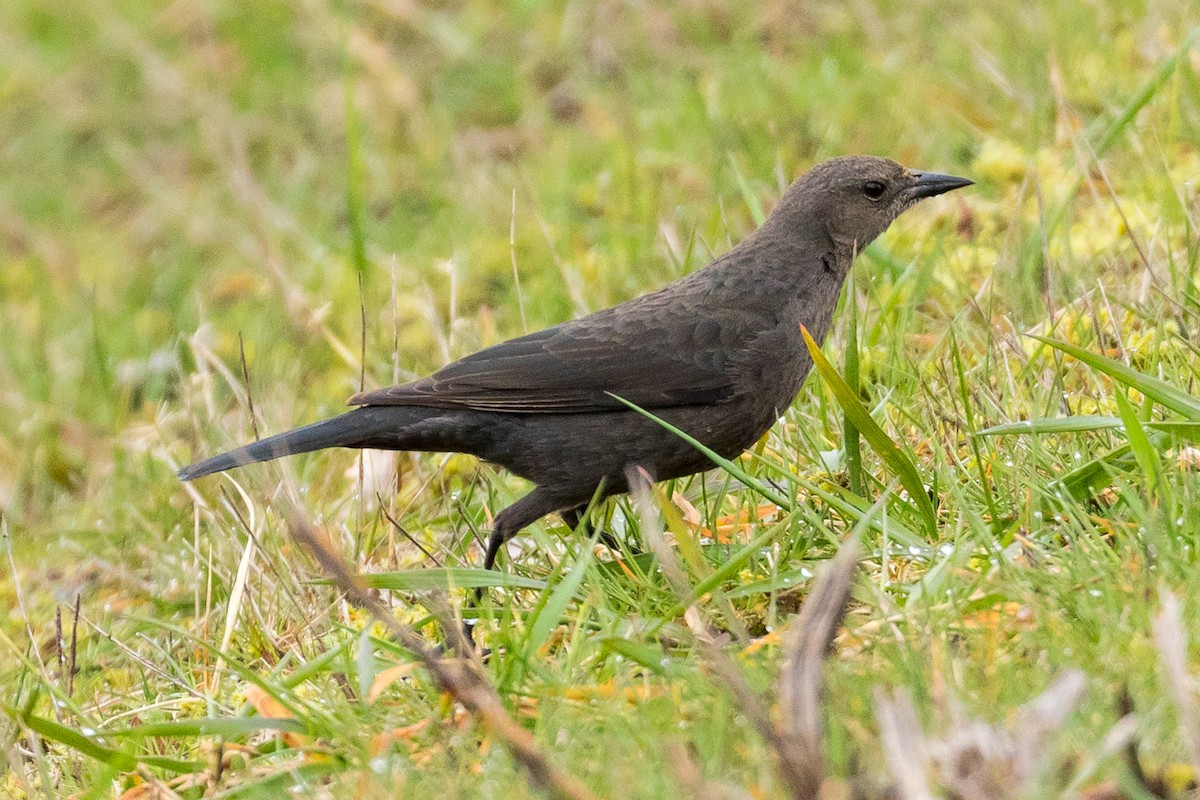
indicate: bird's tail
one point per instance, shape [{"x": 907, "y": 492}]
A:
[{"x": 351, "y": 429}]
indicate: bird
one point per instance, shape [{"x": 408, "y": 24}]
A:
[{"x": 718, "y": 354}]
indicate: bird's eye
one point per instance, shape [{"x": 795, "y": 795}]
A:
[{"x": 873, "y": 190}]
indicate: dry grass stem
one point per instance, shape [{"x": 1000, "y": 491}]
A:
[{"x": 463, "y": 681}]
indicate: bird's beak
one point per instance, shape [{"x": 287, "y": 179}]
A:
[{"x": 931, "y": 184}]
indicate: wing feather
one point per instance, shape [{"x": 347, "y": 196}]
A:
[{"x": 654, "y": 357}]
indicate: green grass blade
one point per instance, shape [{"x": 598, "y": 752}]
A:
[
  {"x": 1179, "y": 429},
  {"x": 446, "y": 578},
  {"x": 724, "y": 463},
  {"x": 965, "y": 397},
  {"x": 1161, "y": 392},
  {"x": 315, "y": 666},
  {"x": 648, "y": 656},
  {"x": 1080, "y": 481},
  {"x": 855, "y": 507},
  {"x": 355, "y": 204},
  {"x": 364, "y": 663},
  {"x": 784, "y": 581},
  {"x": 226, "y": 727},
  {"x": 730, "y": 567},
  {"x": 854, "y": 467},
  {"x": 1144, "y": 95},
  {"x": 1105, "y": 139},
  {"x": 1139, "y": 444},
  {"x": 1079, "y": 424},
  {"x": 89, "y": 747},
  {"x": 548, "y": 614},
  {"x": 748, "y": 196},
  {"x": 900, "y": 465}
]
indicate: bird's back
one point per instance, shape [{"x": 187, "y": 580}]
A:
[{"x": 700, "y": 341}]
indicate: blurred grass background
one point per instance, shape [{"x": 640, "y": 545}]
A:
[{"x": 182, "y": 178}]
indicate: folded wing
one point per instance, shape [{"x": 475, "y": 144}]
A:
[{"x": 667, "y": 358}]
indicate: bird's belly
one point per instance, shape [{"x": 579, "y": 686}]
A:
[{"x": 572, "y": 454}]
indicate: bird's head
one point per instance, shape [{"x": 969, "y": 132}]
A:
[{"x": 854, "y": 198}]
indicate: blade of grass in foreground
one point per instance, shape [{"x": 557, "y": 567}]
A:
[
  {"x": 1159, "y": 391},
  {"x": 1082, "y": 479},
  {"x": 900, "y": 465},
  {"x": 985, "y": 483},
  {"x": 1143, "y": 450},
  {"x": 724, "y": 463},
  {"x": 649, "y": 656},
  {"x": 850, "y": 432},
  {"x": 549, "y": 612},
  {"x": 855, "y": 507},
  {"x": 1180, "y": 429},
  {"x": 844, "y": 501},
  {"x": 116, "y": 759},
  {"x": 1076, "y": 424},
  {"x": 226, "y": 727},
  {"x": 444, "y": 579}
]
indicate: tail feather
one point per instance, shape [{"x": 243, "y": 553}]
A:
[{"x": 346, "y": 430}]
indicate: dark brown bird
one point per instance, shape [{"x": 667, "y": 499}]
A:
[{"x": 717, "y": 354}]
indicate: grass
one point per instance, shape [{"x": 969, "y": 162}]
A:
[{"x": 321, "y": 181}]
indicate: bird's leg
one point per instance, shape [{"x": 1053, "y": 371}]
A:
[
  {"x": 508, "y": 523},
  {"x": 573, "y": 516}
]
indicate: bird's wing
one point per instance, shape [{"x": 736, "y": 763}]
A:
[{"x": 654, "y": 356}]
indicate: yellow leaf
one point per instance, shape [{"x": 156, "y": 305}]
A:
[
  {"x": 270, "y": 708},
  {"x": 388, "y": 677},
  {"x": 382, "y": 742},
  {"x": 737, "y": 527}
]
